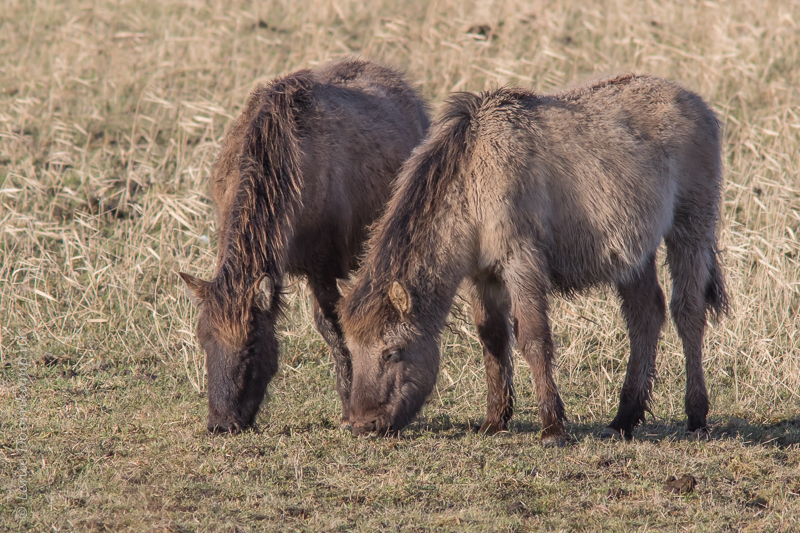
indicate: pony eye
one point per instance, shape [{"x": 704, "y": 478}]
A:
[{"x": 390, "y": 356}]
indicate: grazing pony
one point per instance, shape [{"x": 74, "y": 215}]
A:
[
  {"x": 306, "y": 168},
  {"x": 525, "y": 194}
]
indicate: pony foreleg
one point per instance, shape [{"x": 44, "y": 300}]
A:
[
  {"x": 490, "y": 313},
  {"x": 528, "y": 290},
  {"x": 326, "y": 319}
]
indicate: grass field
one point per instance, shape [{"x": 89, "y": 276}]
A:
[{"x": 111, "y": 113}]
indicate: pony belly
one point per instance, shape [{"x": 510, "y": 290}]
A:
[
  {"x": 582, "y": 260},
  {"x": 607, "y": 242}
]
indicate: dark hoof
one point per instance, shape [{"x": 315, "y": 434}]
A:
[
  {"x": 611, "y": 434},
  {"x": 558, "y": 440},
  {"x": 698, "y": 434},
  {"x": 345, "y": 425},
  {"x": 491, "y": 429}
]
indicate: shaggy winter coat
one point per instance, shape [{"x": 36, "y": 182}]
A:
[
  {"x": 524, "y": 194},
  {"x": 306, "y": 168}
]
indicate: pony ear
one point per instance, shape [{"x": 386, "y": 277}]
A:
[
  {"x": 400, "y": 299},
  {"x": 264, "y": 290},
  {"x": 196, "y": 288},
  {"x": 345, "y": 287}
]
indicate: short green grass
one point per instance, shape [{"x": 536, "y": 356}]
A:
[{"x": 111, "y": 113}]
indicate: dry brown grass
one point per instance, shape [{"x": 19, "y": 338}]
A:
[{"x": 110, "y": 116}]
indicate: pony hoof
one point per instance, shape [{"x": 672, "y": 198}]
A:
[
  {"x": 698, "y": 434},
  {"x": 611, "y": 434},
  {"x": 344, "y": 424},
  {"x": 490, "y": 429},
  {"x": 555, "y": 441}
]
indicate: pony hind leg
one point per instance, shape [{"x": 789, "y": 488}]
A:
[
  {"x": 490, "y": 309},
  {"x": 326, "y": 319},
  {"x": 644, "y": 310},
  {"x": 528, "y": 288},
  {"x": 697, "y": 286}
]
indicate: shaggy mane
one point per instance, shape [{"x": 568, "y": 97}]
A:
[
  {"x": 405, "y": 226},
  {"x": 268, "y": 194}
]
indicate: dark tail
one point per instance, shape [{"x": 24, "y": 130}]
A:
[{"x": 716, "y": 296}]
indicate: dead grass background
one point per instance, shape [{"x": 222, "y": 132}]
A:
[{"x": 111, "y": 113}]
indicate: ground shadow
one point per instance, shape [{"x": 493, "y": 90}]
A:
[{"x": 780, "y": 433}]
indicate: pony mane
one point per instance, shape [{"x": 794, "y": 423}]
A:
[
  {"x": 268, "y": 195},
  {"x": 421, "y": 187}
]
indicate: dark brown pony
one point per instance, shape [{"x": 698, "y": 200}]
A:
[
  {"x": 525, "y": 194},
  {"x": 306, "y": 168}
]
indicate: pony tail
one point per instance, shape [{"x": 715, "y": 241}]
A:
[{"x": 716, "y": 297}]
